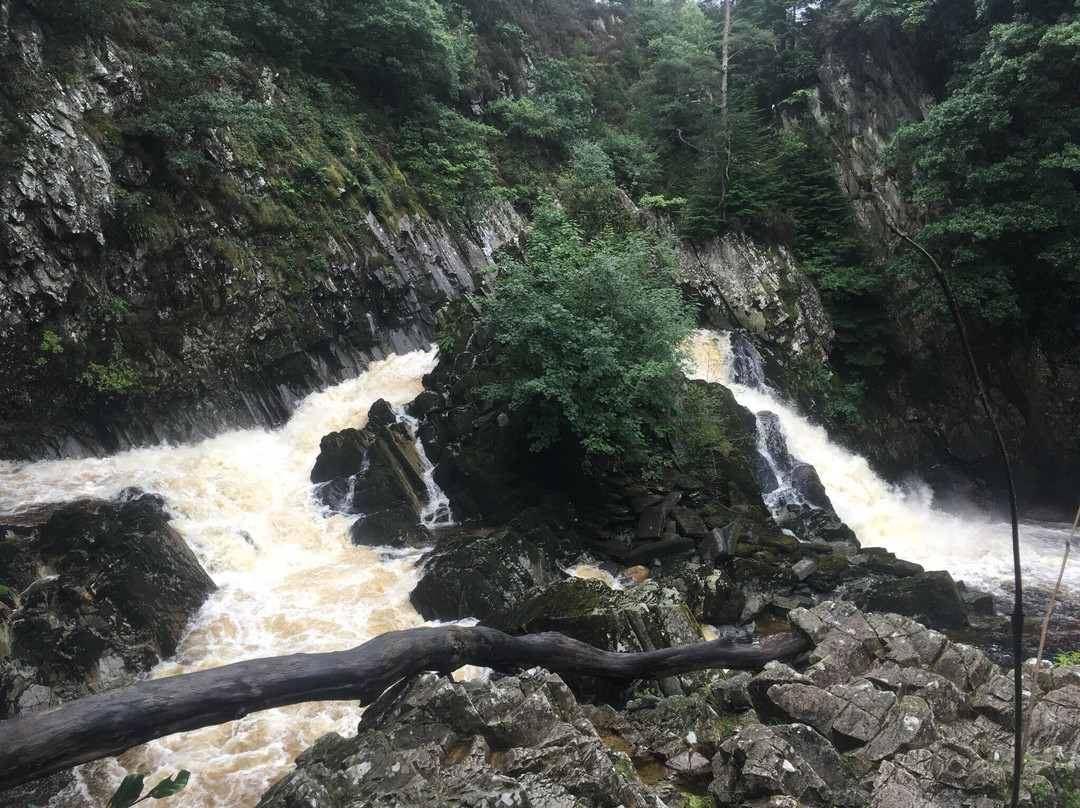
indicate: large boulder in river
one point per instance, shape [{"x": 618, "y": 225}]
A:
[
  {"x": 930, "y": 597},
  {"x": 99, "y": 593},
  {"x": 472, "y": 573},
  {"x": 514, "y": 741},
  {"x": 376, "y": 472}
]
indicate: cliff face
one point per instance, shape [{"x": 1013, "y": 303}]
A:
[
  {"x": 925, "y": 418},
  {"x": 121, "y": 328}
]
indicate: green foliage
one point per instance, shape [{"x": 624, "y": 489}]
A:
[
  {"x": 401, "y": 51},
  {"x": 727, "y": 727},
  {"x": 997, "y": 164},
  {"x": 699, "y": 800},
  {"x": 586, "y": 339},
  {"x": 1067, "y": 658},
  {"x": 112, "y": 309},
  {"x": 50, "y": 345},
  {"x": 845, "y": 407},
  {"x": 448, "y": 156},
  {"x": 117, "y": 377},
  {"x": 704, "y": 433},
  {"x": 130, "y": 790},
  {"x": 588, "y": 189},
  {"x": 79, "y": 17}
]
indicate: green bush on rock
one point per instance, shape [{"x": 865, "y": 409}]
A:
[{"x": 586, "y": 340}]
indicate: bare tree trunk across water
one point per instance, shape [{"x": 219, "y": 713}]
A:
[{"x": 107, "y": 724}]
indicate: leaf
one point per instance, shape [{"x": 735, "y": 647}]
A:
[
  {"x": 128, "y": 792},
  {"x": 170, "y": 786}
]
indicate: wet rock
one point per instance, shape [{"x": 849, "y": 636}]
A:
[
  {"x": 514, "y": 741},
  {"x": 471, "y": 574},
  {"x": 644, "y": 618},
  {"x": 341, "y": 454},
  {"x": 879, "y": 560},
  {"x": 375, "y": 472},
  {"x": 113, "y": 590},
  {"x": 805, "y": 480},
  {"x": 930, "y": 597},
  {"x": 816, "y": 524}
]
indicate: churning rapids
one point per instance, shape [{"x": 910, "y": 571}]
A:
[{"x": 290, "y": 581}]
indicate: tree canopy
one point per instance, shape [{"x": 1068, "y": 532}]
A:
[{"x": 586, "y": 340}]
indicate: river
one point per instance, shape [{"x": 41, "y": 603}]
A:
[{"x": 290, "y": 581}]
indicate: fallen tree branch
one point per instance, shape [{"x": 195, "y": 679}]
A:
[{"x": 107, "y": 724}]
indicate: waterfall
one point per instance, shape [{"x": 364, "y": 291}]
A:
[
  {"x": 289, "y": 579},
  {"x": 902, "y": 519},
  {"x": 436, "y": 512}
]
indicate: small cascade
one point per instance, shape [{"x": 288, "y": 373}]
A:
[
  {"x": 774, "y": 467},
  {"x": 436, "y": 512},
  {"x": 901, "y": 519},
  {"x": 746, "y": 366}
]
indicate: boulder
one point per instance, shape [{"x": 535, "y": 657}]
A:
[
  {"x": 929, "y": 597},
  {"x": 376, "y": 472},
  {"x": 789, "y": 760},
  {"x": 646, "y": 617},
  {"x": 114, "y": 586},
  {"x": 472, "y": 573},
  {"x": 1055, "y": 721},
  {"x": 514, "y": 741}
]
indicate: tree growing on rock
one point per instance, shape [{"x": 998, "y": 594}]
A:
[{"x": 586, "y": 340}]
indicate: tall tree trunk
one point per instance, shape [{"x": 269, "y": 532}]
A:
[{"x": 725, "y": 129}]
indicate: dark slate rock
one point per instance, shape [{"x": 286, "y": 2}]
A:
[
  {"x": 121, "y": 588},
  {"x": 653, "y": 518},
  {"x": 471, "y": 574},
  {"x": 515, "y": 741},
  {"x": 929, "y": 597}
]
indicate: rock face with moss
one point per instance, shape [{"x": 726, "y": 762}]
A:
[
  {"x": 746, "y": 286},
  {"x": 97, "y": 594},
  {"x": 144, "y": 304}
]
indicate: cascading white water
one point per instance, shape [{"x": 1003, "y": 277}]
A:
[
  {"x": 436, "y": 512},
  {"x": 289, "y": 579},
  {"x": 970, "y": 546}
]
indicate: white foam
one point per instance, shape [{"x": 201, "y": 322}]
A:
[
  {"x": 298, "y": 585},
  {"x": 970, "y": 546}
]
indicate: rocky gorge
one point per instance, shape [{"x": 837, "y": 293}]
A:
[
  {"x": 228, "y": 251},
  {"x": 884, "y": 710}
]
